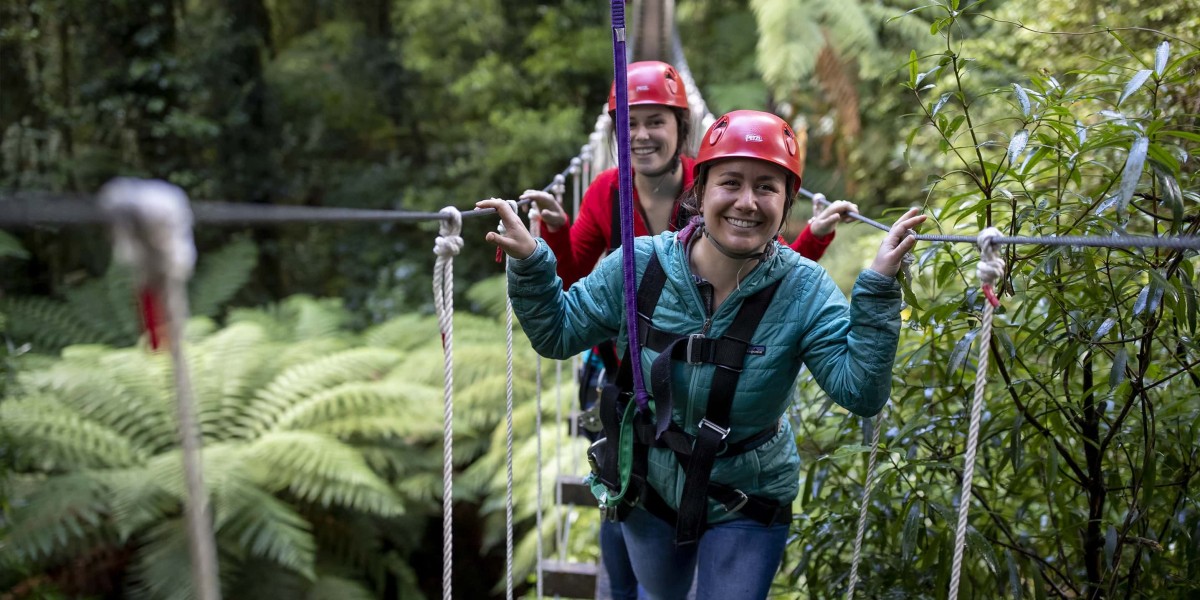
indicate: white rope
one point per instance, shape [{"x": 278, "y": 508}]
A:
[
  {"x": 576, "y": 182},
  {"x": 538, "y": 426},
  {"x": 868, "y": 485},
  {"x": 990, "y": 270},
  {"x": 152, "y": 232},
  {"x": 561, "y": 515},
  {"x": 508, "y": 418},
  {"x": 535, "y": 229},
  {"x": 447, "y": 245},
  {"x": 818, "y": 201}
]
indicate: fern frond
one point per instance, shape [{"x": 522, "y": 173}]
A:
[
  {"x": 314, "y": 318},
  {"x": 162, "y": 569},
  {"x": 51, "y": 437},
  {"x": 490, "y": 296},
  {"x": 10, "y": 247},
  {"x": 49, "y": 325},
  {"x": 140, "y": 411},
  {"x": 228, "y": 367},
  {"x": 354, "y": 401},
  {"x": 220, "y": 274},
  {"x": 303, "y": 380},
  {"x": 59, "y": 516},
  {"x": 138, "y": 499},
  {"x": 404, "y": 332},
  {"x": 329, "y": 587},
  {"x": 322, "y": 470},
  {"x": 110, "y": 304},
  {"x": 266, "y": 527}
]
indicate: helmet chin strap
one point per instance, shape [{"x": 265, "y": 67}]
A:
[{"x": 731, "y": 254}]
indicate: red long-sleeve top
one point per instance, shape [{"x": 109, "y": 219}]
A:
[{"x": 579, "y": 245}]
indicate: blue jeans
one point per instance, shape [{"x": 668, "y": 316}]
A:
[
  {"x": 735, "y": 560},
  {"x": 622, "y": 583}
]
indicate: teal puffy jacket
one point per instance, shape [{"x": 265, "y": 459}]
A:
[{"x": 849, "y": 348}]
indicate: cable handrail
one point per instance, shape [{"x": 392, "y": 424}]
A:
[{"x": 44, "y": 208}]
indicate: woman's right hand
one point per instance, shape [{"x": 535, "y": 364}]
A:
[
  {"x": 516, "y": 241},
  {"x": 551, "y": 211}
]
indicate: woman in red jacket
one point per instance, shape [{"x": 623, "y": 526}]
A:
[{"x": 658, "y": 132}]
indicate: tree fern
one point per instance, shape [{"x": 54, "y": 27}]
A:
[
  {"x": 404, "y": 332},
  {"x": 51, "y": 437},
  {"x": 104, "y": 310},
  {"x": 220, "y": 274},
  {"x": 296, "y": 432},
  {"x": 303, "y": 380}
]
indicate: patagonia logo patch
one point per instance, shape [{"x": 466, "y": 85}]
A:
[{"x": 756, "y": 350}]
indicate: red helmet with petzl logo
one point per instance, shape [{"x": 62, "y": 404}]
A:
[
  {"x": 652, "y": 82},
  {"x": 753, "y": 134}
]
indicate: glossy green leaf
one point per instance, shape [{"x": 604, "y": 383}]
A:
[
  {"x": 912, "y": 525},
  {"x": 1022, "y": 99},
  {"x": 1103, "y": 329},
  {"x": 1017, "y": 144},
  {"x": 1134, "y": 84},
  {"x": 1117, "y": 374},
  {"x": 961, "y": 348},
  {"x": 1161, "y": 54},
  {"x": 912, "y": 69},
  {"x": 981, "y": 547},
  {"x": 1132, "y": 171}
]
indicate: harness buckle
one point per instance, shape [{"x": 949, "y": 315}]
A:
[
  {"x": 724, "y": 432},
  {"x": 741, "y": 501},
  {"x": 692, "y": 338}
]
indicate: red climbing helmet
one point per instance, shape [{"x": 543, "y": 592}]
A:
[
  {"x": 753, "y": 134},
  {"x": 652, "y": 82}
]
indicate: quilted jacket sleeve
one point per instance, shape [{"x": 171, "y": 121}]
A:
[
  {"x": 851, "y": 349},
  {"x": 561, "y": 323}
]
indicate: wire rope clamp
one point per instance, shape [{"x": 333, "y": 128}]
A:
[
  {"x": 151, "y": 223},
  {"x": 991, "y": 266}
]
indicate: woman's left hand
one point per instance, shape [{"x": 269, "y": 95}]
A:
[
  {"x": 516, "y": 240},
  {"x": 825, "y": 222},
  {"x": 897, "y": 243}
]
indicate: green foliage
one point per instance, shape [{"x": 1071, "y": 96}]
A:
[
  {"x": 103, "y": 310},
  {"x": 293, "y": 443},
  {"x": 1087, "y": 451}
]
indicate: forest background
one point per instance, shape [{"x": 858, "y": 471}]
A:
[{"x": 322, "y": 405}]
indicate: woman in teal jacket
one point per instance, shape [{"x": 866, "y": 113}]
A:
[{"x": 737, "y": 315}]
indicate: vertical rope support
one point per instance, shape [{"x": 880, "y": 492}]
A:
[
  {"x": 535, "y": 228},
  {"x": 990, "y": 269},
  {"x": 868, "y": 485},
  {"x": 576, "y": 183},
  {"x": 818, "y": 200},
  {"x": 560, "y": 515},
  {"x": 449, "y": 242},
  {"x": 508, "y": 439},
  {"x": 538, "y": 426},
  {"x": 152, "y": 232}
]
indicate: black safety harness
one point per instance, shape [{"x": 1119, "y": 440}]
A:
[{"x": 696, "y": 453}]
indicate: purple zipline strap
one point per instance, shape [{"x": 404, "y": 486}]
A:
[{"x": 625, "y": 193}]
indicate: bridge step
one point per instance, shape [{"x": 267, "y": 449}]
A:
[
  {"x": 573, "y": 492},
  {"x": 568, "y": 579}
]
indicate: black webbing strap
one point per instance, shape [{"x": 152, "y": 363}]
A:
[
  {"x": 760, "y": 510},
  {"x": 714, "y": 427},
  {"x": 680, "y": 442},
  {"x": 615, "y": 395},
  {"x": 607, "y": 351}
]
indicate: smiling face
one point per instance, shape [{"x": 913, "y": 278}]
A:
[
  {"x": 743, "y": 203},
  {"x": 653, "y": 139}
]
